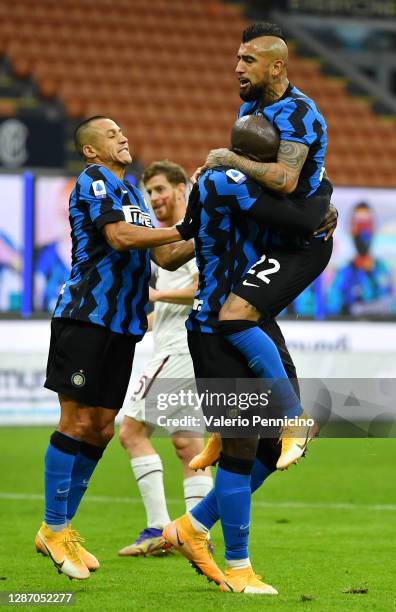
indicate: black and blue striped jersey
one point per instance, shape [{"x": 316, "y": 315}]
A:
[
  {"x": 297, "y": 119},
  {"x": 105, "y": 287},
  {"x": 228, "y": 243}
]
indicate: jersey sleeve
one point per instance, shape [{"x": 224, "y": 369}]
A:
[
  {"x": 101, "y": 196},
  {"x": 296, "y": 122},
  {"x": 238, "y": 193},
  {"x": 279, "y": 212},
  {"x": 235, "y": 191}
]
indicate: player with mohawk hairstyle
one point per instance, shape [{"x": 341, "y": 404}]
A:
[
  {"x": 231, "y": 224},
  {"x": 298, "y": 172}
]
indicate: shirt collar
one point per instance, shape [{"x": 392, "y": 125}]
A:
[{"x": 285, "y": 94}]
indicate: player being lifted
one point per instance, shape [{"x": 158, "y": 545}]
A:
[
  {"x": 166, "y": 184},
  {"x": 99, "y": 317},
  {"x": 234, "y": 217},
  {"x": 298, "y": 172}
]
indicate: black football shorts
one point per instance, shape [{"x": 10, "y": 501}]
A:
[
  {"x": 276, "y": 279},
  {"x": 214, "y": 357},
  {"x": 89, "y": 363}
]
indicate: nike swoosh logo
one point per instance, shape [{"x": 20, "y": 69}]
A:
[
  {"x": 249, "y": 284},
  {"x": 58, "y": 565},
  {"x": 304, "y": 446},
  {"x": 243, "y": 527},
  {"x": 178, "y": 539},
  {"x": 65, "y": 491}
]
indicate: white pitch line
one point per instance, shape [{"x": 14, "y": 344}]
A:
[{"x": 257, "y": 503}]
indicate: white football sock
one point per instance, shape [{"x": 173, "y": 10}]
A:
[
  {"x": 58, "y": 527},
  {"x": 197, "y": 525},
  {"x": 238, "y": 563},
  {"x": 148, "y": 472},
  {"x": 195, "y": 489}
]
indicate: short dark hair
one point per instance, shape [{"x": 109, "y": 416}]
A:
[
  {"x": 79, "y": 132},
  {"x": 262, "y": 29},
  {"x": 173, "y": 172},
  {"x": 362, "y": 204}
]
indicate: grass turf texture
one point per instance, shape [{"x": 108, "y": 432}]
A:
[{"x": 319, "y": 530}]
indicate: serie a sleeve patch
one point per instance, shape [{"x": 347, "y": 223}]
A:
[
  {"x": 99, "y": 189},
  {"x": 236, "y": 175}
]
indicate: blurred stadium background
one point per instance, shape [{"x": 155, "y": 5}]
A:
[{"x": 164, "y": 70}]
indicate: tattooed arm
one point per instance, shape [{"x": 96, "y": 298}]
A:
[{"x": 281, "y": 176}]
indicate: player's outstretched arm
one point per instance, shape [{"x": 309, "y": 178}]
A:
[
  {"x": 280, "y": 212},
  {"x": 281, "y": 176},
  {"x": 172, "y": 256},
  {"x": 122, "y": 236},
  {"x": 107, "y": 213}
]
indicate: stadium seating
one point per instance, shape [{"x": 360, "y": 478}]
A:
[{"x": 165, "y": 71}]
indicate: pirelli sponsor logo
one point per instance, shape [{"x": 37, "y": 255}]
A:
[{"x": 134, "y": 215}]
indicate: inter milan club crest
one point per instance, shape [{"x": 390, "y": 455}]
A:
[{"x": 78, "y": 379}]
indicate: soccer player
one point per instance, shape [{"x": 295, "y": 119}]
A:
[
  {"x": 365, "y": 284},
  {"x": 233, "y": 232},
  {"x": 99, "y": 317},
  {"x": 298, "y": 172},
  {"x": 166, "y": 184}
]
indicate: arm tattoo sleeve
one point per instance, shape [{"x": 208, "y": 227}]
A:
[
  {"x": 277, "y": 176},
  {"x": 292, "y": 155}
]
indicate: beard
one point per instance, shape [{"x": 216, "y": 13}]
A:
[{"x": 255, "y": 92}]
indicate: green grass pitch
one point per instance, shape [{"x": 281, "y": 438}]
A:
[{"x": 318, "y": 530}]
